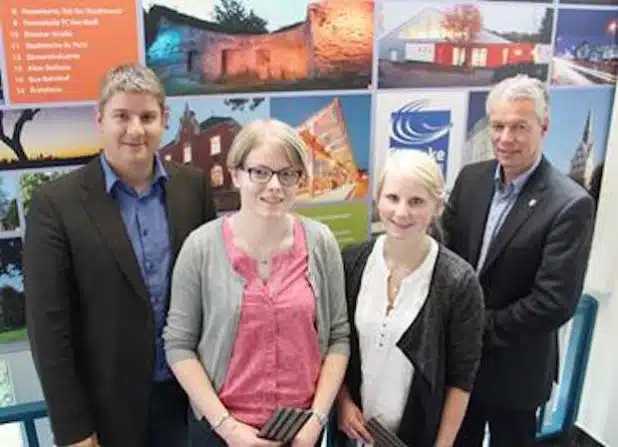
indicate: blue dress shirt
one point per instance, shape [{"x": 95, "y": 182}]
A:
[{"x": 145, "y": 220}]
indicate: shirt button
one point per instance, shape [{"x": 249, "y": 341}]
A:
[
  {"x": 145, "y": 232},
  {"x": 148, "y": 265}
]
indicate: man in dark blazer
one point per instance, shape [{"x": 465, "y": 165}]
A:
[
  {"x": 526, "y": 228},
  {"x": 99, "y": 247}
]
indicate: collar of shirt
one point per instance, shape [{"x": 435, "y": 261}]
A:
[
  {"x": 517, "y": 184},
  {"x": 111, "y": 178}
]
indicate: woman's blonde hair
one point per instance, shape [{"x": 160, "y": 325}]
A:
[
  {"x": 417, "y": 165},
  {"x": 268, "y": 132}
]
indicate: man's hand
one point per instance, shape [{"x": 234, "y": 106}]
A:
[{"x": 90, "y": 441}]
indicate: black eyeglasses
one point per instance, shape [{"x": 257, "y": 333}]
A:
[{"x": 261, "y": 174}]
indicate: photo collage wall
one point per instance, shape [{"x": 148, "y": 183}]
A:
[{"x": 356, "y": 78}]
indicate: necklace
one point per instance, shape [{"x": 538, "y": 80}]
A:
[
  {"x": 392, "y": 295},
  {"x": 395, "y": 289},
  {"x": 398, "y": 271}
]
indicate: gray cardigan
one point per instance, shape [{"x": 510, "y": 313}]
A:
[{"x": 207, "y": 295}]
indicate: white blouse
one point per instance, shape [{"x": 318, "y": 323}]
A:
[{"x": 386, "y": 371}]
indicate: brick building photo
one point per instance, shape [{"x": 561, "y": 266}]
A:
[{"x": 328, "y": 45}]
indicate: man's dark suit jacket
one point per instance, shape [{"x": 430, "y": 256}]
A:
[
  {"x": 532, "y": 276},
  {"x": 88, "y": 310}
]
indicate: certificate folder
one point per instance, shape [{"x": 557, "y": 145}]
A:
[
  {"x": 284, "y": 424},
  {"x": 383, "y": 437}
]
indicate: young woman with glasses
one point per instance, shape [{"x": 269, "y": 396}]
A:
[{"x": 258, "y": 318}]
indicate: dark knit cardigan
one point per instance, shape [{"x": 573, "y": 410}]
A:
[{"x": 443, "y": 343}]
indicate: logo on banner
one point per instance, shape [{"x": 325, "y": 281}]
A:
[{"x": 414, "y": 127}]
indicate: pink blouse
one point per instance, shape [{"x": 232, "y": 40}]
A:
[{"x": 276, "y": 355}]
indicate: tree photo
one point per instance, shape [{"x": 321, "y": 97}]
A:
[
  {"x": 463, "y": 23},
  {"x": 9, "y": 216},
  {"x": 47, "y": 136},
  {"x": 12, "y": 304},
  {"x": 233, "y": 15},
  {"x": 14, "y": 142},
  {"x": 29, "y": 182}
]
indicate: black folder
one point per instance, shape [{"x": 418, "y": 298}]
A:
[
  {"x": 284, "y": 424},
  {"x": 382, "y": 437}
]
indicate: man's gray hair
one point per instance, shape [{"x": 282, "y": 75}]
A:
[{"x": 520, "y": 86}]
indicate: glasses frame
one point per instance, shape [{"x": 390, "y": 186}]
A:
[{"x": 250, "y": 170}]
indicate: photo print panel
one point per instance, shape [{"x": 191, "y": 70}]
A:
[
  {"x": 430, "y": 121},
  {"x": 347, "y": 220},
  {"x": 259, "y": 45},
  {"x": 12, "y": 303},
  {"x": 576, "y": 142},
  {"x": 10, "y": 220},
  {"x": 440, "y": 44},
  {"x": 586, "y": 47},
  {"x": 336, "y": 129},
  {"x": 200, "y": 133},
  {"x": 53, "y": 136},
  {"x": 31, "y": 179}
]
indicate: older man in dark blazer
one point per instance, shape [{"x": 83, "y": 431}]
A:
[
  {"x": 526, "y": 228},
  {"x": 100, "y": 244}
]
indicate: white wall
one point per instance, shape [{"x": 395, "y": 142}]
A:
[{"x": 599, "y": 406}]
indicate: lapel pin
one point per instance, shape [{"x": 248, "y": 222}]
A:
[{"x": 532, "y": 203}]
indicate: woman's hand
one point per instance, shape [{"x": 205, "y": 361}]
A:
[
  {"x": 351, "y": 421},
  {"x": 237, "y": 434},
  {"x": 308, "y": 435}
]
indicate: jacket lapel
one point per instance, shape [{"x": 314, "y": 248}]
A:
[
  {"x": 478, "y": 212},
  {"x": 527, "y": 202},
  {"x": 174, "y": 207},
  {"x": 106, "y": 218}
]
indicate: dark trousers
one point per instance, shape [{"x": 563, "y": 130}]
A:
[
  {"x": 167, "y": 420},
  {"x": 507, "y": 428},
  {"x": 201, "y": 434}
]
